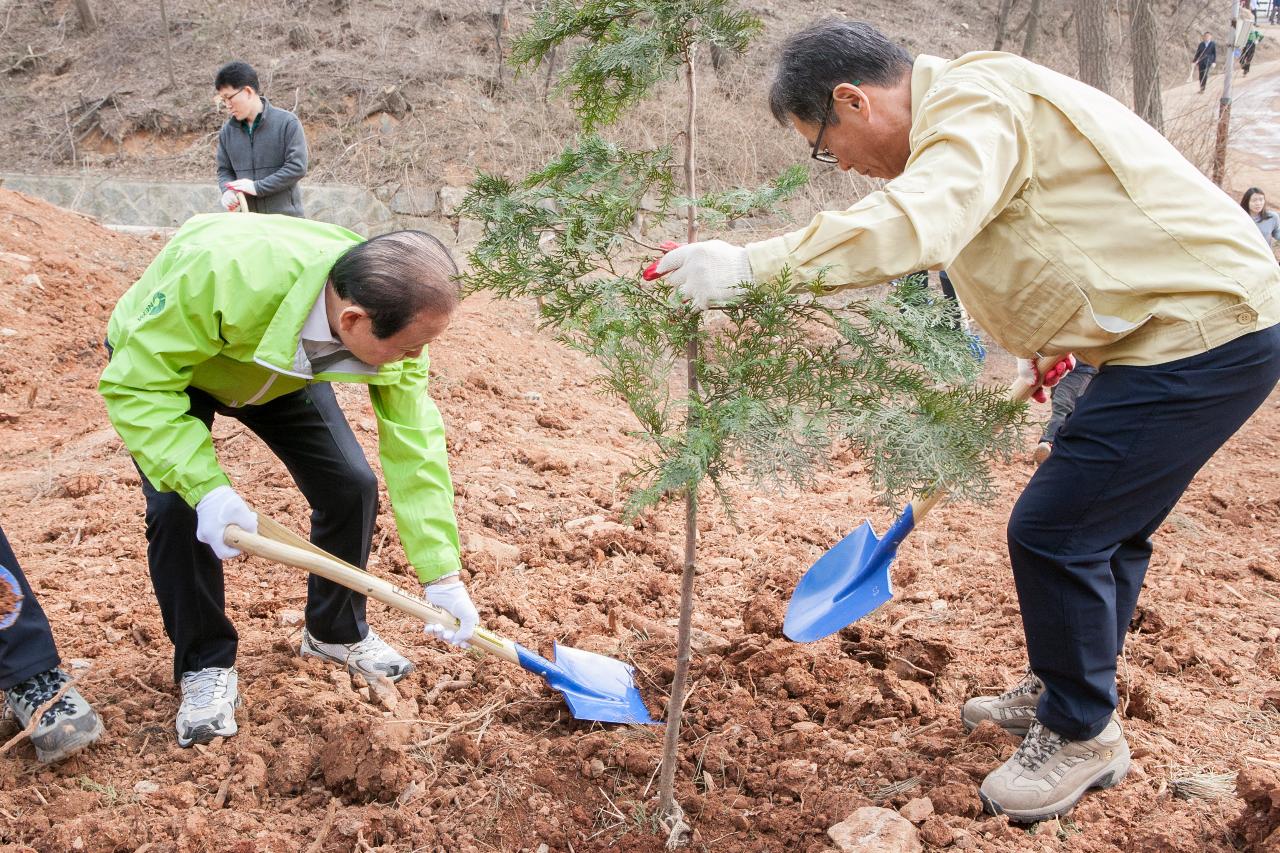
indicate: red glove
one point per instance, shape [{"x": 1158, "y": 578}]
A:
[
  {"x": 651, "y": 272},
  {"x": 1029, "y": 369}
]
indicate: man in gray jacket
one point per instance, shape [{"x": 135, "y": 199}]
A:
[{"x": 262, "y": 151}]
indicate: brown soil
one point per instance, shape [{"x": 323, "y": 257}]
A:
[{"x": 781, "y": 740}]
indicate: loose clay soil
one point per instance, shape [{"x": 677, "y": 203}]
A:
[{"x": 469, "y": 753}]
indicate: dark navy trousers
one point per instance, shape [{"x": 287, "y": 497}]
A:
[
  {"x": 26, "y": 645},
  {"x": 308, "y": 432},
  {"x": 1080, "y": 535}
]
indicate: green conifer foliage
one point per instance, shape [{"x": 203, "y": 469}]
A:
[{"x": 773, "y": 380}]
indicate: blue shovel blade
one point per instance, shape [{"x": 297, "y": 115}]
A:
[
  {"x": 594, "y": 686},
  {"x": 14, "y": 593},
  {"x": 846, "y": 583}
]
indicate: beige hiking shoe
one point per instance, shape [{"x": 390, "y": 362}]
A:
[
  {"x": 1048, "y": 773},
  {"x": 1013, "y": 710}
]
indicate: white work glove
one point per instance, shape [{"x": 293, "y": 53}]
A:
[
  {"x": 229, "y": 200},
  {"x": 1028, "y": 372},
  {"x": 451, "y": 594},
  {"x": 243, "y": 185},
  {"x": 215, "y": 511},
  {"x": 708, "y": 272}
]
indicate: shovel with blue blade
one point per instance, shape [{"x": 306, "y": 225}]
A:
[
  {"x": 852, "y": 579},
  {"x": 595, "y": 687}
]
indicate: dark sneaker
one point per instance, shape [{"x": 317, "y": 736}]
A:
[
  {"x": 210, "y": 697},
  {"x": 1048, "y": 773},
  {"x": 67, "y": 727},
  {"x": 369, "y": 657},
  {"x": 1012, "y": 711}
]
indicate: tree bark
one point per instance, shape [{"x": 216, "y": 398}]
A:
[
  {"x": 1093, "y": 43},
  {"x": 168, "y": 46},
  {"x": 1033, "y": 29},
  {"x": 88, "y": 22},
  {"x": 1003, "y": 11},
  {"x": 1144, "y": 39}
]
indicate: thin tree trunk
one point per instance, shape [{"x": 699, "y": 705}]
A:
[
  {"x": 1144, "y": 35},
  {"x": 1033, "y": 29},
  {"x": 1003, "y": 11},
  {"x": 1224, "y": 105},
  {"x": 1093, "y": 43},
  {"x": 498, "y": 17},
  {"x": 668, "y": 809},
  {"x": 88, "y": 21},
  {"x": 168, "y": 46}
]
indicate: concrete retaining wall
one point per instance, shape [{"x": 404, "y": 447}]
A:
[{"x": 155, "y": 204}]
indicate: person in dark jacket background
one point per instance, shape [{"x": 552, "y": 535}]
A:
[
  {"x": 1205, "y": 58},
  {"x": 262, "y": 151}
]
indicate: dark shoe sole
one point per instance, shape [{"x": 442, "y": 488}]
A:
[{"x": 1107, "y": 779}]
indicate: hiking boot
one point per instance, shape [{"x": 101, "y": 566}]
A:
[
  {"x": 67, "y": 727},
  {"x": 1041, "y": 453},
  {"x": 1048, "y": 773},
  {"x": 369, "y": 657},
  {"x": 210, "y": 697},
  {"x": 1012, "y": 711}
]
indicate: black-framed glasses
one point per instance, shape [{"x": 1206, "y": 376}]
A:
[
  {"x": 819, "y": 153},
  {"x": 227, "y": 99}
]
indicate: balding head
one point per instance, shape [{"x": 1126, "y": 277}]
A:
[{"x": 396, "y": 277}]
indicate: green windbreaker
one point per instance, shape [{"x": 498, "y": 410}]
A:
[{"x": 221, "y": 309}]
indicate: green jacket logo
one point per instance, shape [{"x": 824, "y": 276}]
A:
[{"x": 154, "y": 307}]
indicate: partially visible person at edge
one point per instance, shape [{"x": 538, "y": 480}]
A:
[
  {"x": 30, "y": 670},
  {"x": 1254, "y": 202},
  {"x": 1246, "y": 55},
  {"x": 251, "y": 317},
  {"x": 1062, "y": 402},
  {"x": 1205, "y": 57},
  {"x": 1071, "y": 226},
  {"x": 262, "y": 151}
]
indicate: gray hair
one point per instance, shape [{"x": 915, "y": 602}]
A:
[
  {"x": 817, "y": 59},
  {"x": 397, "y": 276}
]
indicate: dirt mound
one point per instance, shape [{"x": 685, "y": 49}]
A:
[
  {"x": 781, "y": 740},
  {"x": 1259, "y": 822}
]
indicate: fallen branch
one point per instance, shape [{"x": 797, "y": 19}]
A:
[{"x": 329, "y": 816}]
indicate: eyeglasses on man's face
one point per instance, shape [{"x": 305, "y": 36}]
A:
[
  {"x": 227, "y": 99},
  {"x": 822, "y": 155}
]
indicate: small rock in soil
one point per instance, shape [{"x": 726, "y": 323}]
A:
[{"x": 875, "y": 830}]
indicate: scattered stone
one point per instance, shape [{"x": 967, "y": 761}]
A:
[
  {"x": 533, "y": 396},
  {"x": 583, "y": 522},
  {"x": 81, "y": 485},
  {"x": 917, "y": 810},
  {"x": 935, "y": 832},
  {"x": 143, "y": 787},
  {"x": 450, "y": 199},
  {"x": 957, "y": 798},
  {"x": 384, "y": 691},
  {"x": 875, "y": 830},
  {"x": 291, "y": 618},
  {"x": 503, "y": 553}
]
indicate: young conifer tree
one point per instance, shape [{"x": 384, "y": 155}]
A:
[{"x": 782, "y": 375}]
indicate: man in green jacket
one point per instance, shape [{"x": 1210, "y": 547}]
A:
[{"x": 252, "y": 317}]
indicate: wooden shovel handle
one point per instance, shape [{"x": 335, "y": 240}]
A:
[
  {"x": 318, "y": 562},
  {"x": 242, "y": 203},
  {"x": 1019, "y": 392}
]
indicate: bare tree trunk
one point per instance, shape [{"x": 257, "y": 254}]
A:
[
  {"x": 1003, "y": 11},
  {"x": 1144, "y": 36},
  {"x": 168, "y": 46},
  {"x": 551, "y": 73},
  {"x": 88, "y": 22},
  {"x": 669, "y": 810},
  {"x": 498, "y": 17},
  {"x": 1093, "y": 43},
  {"x": 1033, "y": 29},
  {"x": 1224, "y": 105}
]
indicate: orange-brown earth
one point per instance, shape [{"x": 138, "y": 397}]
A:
[{"x": 781, "y": 740}]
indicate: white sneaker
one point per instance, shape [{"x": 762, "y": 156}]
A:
[
  {"x": 369, "y": 657},
  {"x": 210, "y": 697}
]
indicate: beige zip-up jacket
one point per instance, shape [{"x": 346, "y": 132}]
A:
[{"x": 1066, "y": 223}]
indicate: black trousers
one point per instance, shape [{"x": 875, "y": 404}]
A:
[
  {"x": 1079, "y": 536},
  {"x": 308, "y": 432},
  {"x": 1203, "y": 68},
  {"x": 26, "y": 644}
]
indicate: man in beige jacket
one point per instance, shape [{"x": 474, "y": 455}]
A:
[{"x": 1067, "y": 224}]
